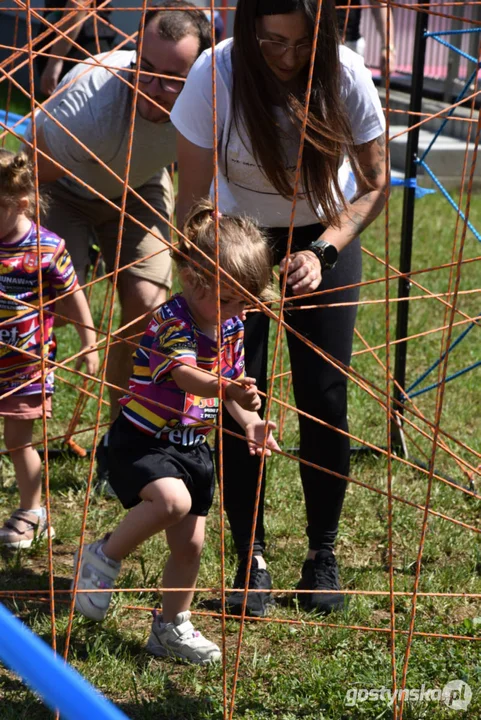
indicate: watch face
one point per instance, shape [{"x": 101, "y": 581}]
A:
[
  {"x": 326, "y": 253},
  {"x": 330, "y": 254}
]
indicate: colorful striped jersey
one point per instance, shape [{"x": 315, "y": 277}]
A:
[
  {"x": 173, "y": 338},
  {"x": 20, "y": 324}
]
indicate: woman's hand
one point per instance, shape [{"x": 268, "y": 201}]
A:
[{"x": 303, "y": 272}]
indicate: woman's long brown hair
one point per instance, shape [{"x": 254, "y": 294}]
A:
[{"x": 257, "y": 92}]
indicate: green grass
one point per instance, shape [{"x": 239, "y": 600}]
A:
[
  {"x": 18, "y": 104},
  {"x": 290, "y": 671}
]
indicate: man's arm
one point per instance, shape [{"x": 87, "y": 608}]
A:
[
  {"x": 53, "y": 69},
  {"x": 196, "y": 168},
  {"x": 388, "y": 49}
]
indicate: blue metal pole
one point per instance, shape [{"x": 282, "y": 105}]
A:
[{"x": 60, "y": 686}]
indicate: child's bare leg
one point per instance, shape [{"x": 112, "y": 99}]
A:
[
  {"x": 176, "y": 636},
  {"x": 165, "y": 502},
  {"x": 26, "y": 460},
  {"x": 186, "y": 540}
]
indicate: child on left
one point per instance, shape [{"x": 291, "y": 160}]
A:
[{"x": 20, "y": 333}]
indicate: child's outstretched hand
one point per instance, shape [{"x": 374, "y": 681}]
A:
[
  {"x": 245, "y": 395},
  {"x": 91, "y": 361},
  {"x": 255, "y": 437}
]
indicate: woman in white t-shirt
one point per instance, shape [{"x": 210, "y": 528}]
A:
[{"x": 261, "y": 80}]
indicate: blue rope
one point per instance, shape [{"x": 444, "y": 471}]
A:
[
  {"x": 448, "y": 379},
  {"x": 458, "y": 50},
  {"x": 452, "y": 32},
  {"x": 451, "y": 112},
  {"x": 61, "y": 687},
  {"x": 439, "y": 360},
  {"x": 404, "y": 182},
  {"x": 411, "y": 182},
  {"x": 449, "y": 198}
]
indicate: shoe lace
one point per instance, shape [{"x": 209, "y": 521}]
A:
[
  {"x": 255, "y": 580},
  {"x": 325, "y": 575}
]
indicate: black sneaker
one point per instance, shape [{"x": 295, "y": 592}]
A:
[
  {"x": 257, "y": 603},
  {"x": 320, "y": 574}
]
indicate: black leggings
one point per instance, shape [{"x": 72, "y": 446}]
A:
[{"x": 319, "y": 389}]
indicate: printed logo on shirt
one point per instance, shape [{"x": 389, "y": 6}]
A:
[
  {"x": 185, "y": 436},
  {"x": 13, "y": 337},
  {"x": 9, "y": 336},
  {"x": 30, "y": 261},
  {"x": 209, "y": 407},
  {"x": 200, "y": 407}
]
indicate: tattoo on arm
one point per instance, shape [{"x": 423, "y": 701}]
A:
[
  {"x": 364, "y": 210},
  {"x": 381, "y": 143},
  {"x": 376, "y": 167},
  {"x": 370, "y": 198},
  {"x": 357, "y": 222},
  {"x": 373, "y": 172}
]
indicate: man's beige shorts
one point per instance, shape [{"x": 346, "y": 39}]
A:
[{"x": 80, "y": 221}]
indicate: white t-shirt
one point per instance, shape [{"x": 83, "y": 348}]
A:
[
  {"x": 243, "y": 188},
  {"x": 96, "y": 109}
]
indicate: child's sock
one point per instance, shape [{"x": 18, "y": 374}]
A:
[
  {"x": 261, "y": 563},
  {"x": 40, "y": 512},
  {"x": 160, "y": 620},
  {"x": 109, "y": 561}
]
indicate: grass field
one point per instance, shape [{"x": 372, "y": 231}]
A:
[
  {"x": 18, "y": 104},
  {"x": 298, "y": 670}
]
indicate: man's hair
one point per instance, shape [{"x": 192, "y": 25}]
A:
[{"x": 175, "y": 24}]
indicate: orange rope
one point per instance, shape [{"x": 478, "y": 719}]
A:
[
  {"x": 439, "y": 406},
  {"x": 416, "y": 423}
]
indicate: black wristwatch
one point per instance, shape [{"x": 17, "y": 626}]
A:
[{"x": 326, "y": 253}]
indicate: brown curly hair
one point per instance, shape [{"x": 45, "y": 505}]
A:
[
  {"x": 17, "y": 181},
  {"x": 244, "y": 253}
]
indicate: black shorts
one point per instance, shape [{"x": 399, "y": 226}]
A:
[{"x": 136, "y": 459}]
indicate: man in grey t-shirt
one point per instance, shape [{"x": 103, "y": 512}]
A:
[{"x": 86, "y": 131}]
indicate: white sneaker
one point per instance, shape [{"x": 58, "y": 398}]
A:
[
  {"x": 96, "y": 573},
  {"x": 181, "y": 640}
]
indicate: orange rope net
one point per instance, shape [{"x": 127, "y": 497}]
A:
[{"x": 423, "y": 423}]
